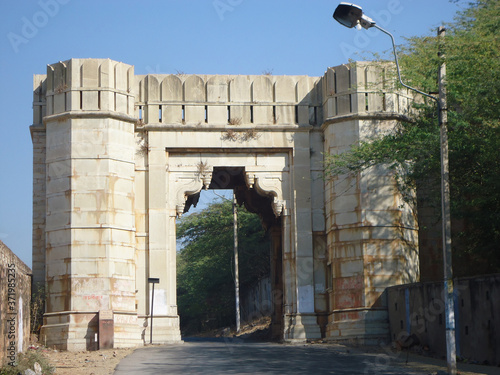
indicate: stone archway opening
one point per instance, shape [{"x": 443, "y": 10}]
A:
[{"x": 261, "y": 204}]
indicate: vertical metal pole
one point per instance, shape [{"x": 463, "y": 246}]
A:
[
  {"x": 152, "y": 305},
  {"x": 236, "y": 270},
  {"x": 451, "y": 355}
]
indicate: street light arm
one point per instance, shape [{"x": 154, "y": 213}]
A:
[{"x": 397, "y": 66}]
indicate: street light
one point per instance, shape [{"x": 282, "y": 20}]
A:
[{"x": 351, "y": 15}]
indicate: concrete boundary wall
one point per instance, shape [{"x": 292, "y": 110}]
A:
[
  {"x": 419, "y": 309},
  {"x": 257, "y": 302}
]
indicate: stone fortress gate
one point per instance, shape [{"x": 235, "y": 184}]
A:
[{"x": 118, "y": 157}]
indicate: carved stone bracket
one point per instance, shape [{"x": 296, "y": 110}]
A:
[
  {"x": 269, "y": 184},
  {"x": 206, "y": 178},
  {"x": 279, "y": 207},
  {"x": 179, "y": 209},
  {"x": 249, "y": 180},
  {"x": 186, "y": 181},
  {"x": 187, "y": 184}
]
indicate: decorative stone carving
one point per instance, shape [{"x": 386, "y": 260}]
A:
[
  {"x": 189, "y": 184},
  {"x": 269, "y": 184},
  {"x": 250, "y": 180}
]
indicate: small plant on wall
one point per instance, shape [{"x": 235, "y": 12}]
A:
[
  {"x": 235, "y": 121},
  {"x": 143, "y": 145},
  {"x": 60, "y": 88},
  {"x": 250, "y": 134},
  {"x": 230, "y": 135},
  {"x": 202, "y": 167}
]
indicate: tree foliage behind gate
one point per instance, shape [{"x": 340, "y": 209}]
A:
[{"x": 205, "y": 264}]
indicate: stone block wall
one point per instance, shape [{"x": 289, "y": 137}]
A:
[
  {"x": 419, "y": 309},
  {"x": 117, "y": 155},
  {"x": 371, "y": 232},
  {"x": 15, "y": 297}
]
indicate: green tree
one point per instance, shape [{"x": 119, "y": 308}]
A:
[
  {"x": 472, "y": 50},
  {"x": 205, "y": 264}
]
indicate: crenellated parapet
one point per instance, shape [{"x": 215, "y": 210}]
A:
[
  {"x": 228, "y": 100},
  {"x": 363, "y": 88},
  {"x": 106, "y": 85},
  {"x": 84, "y": 85}
]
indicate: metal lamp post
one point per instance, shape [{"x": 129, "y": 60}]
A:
[
  {"x": 152, "y": 280},
  {"x": 351, "y": 15},
  {"x": 236, "y": 262}
]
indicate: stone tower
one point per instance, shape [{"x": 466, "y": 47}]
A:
[
  {"x": 89, "y": 247},
  {"x": 371, "y": 231}
]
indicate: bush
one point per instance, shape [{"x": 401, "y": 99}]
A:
[{"x": 37, "y": 308}]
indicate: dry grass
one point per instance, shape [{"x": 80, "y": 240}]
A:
[{"x": 235, "y": 121}]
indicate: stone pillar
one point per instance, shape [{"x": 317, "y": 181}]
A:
[
  {"x": 302, "y": 319},
  {"x": 90, "y": 229},
  {"x": 162, "y": 245}
]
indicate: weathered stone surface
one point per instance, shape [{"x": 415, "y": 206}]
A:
[
  {"x": 15, "y": 297},
  {"x": 117, "y": 156}
]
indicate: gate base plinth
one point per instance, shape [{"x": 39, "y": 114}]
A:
[
  {"x": 165, "y": 330},
  {"x": 301, "y": 327},
  {"x": 361, "y": 326},
  {"x": 79, "y": 331}
]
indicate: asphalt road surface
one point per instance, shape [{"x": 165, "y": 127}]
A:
[{"x": 233, "y": 356}]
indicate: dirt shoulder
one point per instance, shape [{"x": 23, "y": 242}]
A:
[{"x": 102, "y": 362}]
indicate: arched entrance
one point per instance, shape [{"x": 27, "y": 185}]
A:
[
  {"x": 261, "y": 180},
  {"x": 233, "y": 178}
]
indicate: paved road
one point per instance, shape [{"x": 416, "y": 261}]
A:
[{"x": 228, "y": 356}]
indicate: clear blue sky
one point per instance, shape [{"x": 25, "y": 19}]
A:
[{"x": 191, "y": 36}]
